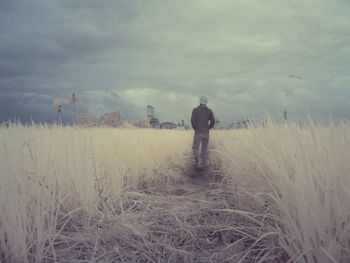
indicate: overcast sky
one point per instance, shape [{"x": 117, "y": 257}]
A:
[{"x": 249, "y": 57}]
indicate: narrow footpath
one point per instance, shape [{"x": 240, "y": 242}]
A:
[{"x": 185, "y": 215}]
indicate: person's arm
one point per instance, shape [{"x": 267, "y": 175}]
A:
[
  {"x": 193, "y": 119},
  {"x": 211, "y": 119}
]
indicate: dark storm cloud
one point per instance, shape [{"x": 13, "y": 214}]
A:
[
  {"x": 5, "y": 6},
  {"x": 42, "y": 38},
  {"x": 112, "y": 101},
  {"x": 248, "y": 57},
  {"x": 51, "y": 48},
  {"x": 19, "y": 107}
]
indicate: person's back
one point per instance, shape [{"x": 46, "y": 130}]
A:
[{"x": 202, "y": 121}]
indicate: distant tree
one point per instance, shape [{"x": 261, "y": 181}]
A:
[
  {"x": 83, "y": 119},
  {"x": 58, "y": 108},
  {"x": 73, "y": 100},
  {"x": 114, "y": 119},
  {"x": 141, "y": 123}
]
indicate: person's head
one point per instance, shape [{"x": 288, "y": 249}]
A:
[{"x": 203, "y": 100}]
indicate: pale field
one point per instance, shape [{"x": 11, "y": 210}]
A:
[
  {"x": 274, "y": 194},
  {"x": 305, "y": 174}
]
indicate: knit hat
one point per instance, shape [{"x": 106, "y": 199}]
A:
[{"x": 203, "y": 100}]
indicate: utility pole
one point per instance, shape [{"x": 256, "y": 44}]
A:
[
  {"x": 73, "y": 100},
  {"x": 150, "y": 112},
  {"x": 297, "y": 78},
  {"x": 58, "y": 108},
  {"x": 285, "y": 116}
]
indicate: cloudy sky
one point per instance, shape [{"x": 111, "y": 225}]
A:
[{"x": 250, "y": 57}]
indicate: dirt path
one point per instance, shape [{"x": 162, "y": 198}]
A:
[{"x": 187, "y": 216}]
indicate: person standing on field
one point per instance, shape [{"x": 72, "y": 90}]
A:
[{"x": 202, "y": 121}]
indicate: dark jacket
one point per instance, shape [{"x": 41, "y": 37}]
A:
[{"x": 202, "y": 119}]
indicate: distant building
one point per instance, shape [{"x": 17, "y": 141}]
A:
[
  {"x": 168, "y": 125},
  {"x": 242, "y": 124},
  {"x": 182, "y": 124},
  {"x": 154, "y": 122},
  {"x": 150, "y": 112}
]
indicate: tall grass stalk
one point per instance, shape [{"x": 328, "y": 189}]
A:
[
  {"x": 286, "y": 190},
  {"x": 48, "y": 174},
  {"x": 304, "y": 174}
]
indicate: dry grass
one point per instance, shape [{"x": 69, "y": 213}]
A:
[
  {"x": 304, "y": 173},
  {"x": 51, "y": 175},
  {"x": 110, "y": 195}
]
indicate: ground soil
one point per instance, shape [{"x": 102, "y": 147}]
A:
[{"x": 187, "y": 215}]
